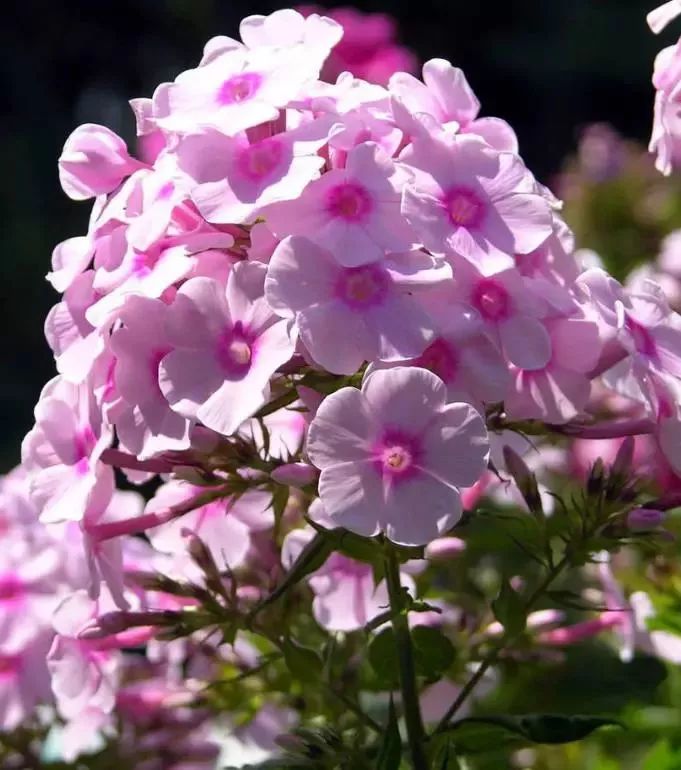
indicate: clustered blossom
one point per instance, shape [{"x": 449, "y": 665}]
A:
[{"x": 326, "y": 291}]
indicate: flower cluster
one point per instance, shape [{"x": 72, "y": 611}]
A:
[{"x": 318, "y": 311}]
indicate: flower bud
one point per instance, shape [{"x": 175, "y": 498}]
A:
[
  {"x": 444, "y": 548},
  {"x": 294, "y": 474},
  {"x": 525, "y": 480},
  {"x": 644, "y": 519},
  {"x": 94, "y": 161}
]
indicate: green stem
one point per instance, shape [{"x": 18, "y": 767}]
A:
[
  {"x": 405, "y": 654},
  {"x": 493, "y": 654}
]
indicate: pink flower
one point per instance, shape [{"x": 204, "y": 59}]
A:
[
  {"x": 227, "y": 344},
  {"x": 62, "y": 453},
  {"x": 236, "y": 90},
  {"x": 24, "y": 682},
  {"x": 235, "y": 177},
  {"x": 353, "y": 212},
  {"x": 368, "y": 47},
  {"x": 445, "y": 95},
  {"x": 666, "y": 134},
  {"x": 346, "y": 315},
  {"x": 469, "y": 200},
  {"x": 346, "y": 597},
  {"x": 150, "y": 426},
  {"x": 94, "y": 161},
  {"x": 510, "y": 309},
  {"x": 561, "y": 388},
  {"x": 393, "y": 449},
  {"x": 461, "y": 355},
  {"x": 225, "y": 526}
]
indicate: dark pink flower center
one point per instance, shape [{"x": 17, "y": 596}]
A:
[
  {"x": 12, "y": 588},
  {"x": 9, "y": 665},
  {"x": 239, "y": 88},
  {"x": 491, "y": 300},
  {"x": 260, "y": 160},
  {"x": 396, "y": 455},
  {"x": 465, "y": 208},
  {"x": 84, "y": 443},
  {"x": 349, "y": 201},
  {"x": 235, "y": 350},
  {"x": 441, "y": 359},
  {"x": 361, "y": 287},
  {"x": 642, "y": 338}
]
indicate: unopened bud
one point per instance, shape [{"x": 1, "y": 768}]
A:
[
  {"x": 624, "y": 458},
  {"x": 644, "y": 519},
  {"x": 444, "y": 548},
  {"x": 111, "y": 623},
  {"x": 525, "y": 480},
  {"x": 294, "y": 474},
  {"x": 594, "y": 484}
]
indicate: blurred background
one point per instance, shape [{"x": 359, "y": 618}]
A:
[{"x": 550, "y": 68}]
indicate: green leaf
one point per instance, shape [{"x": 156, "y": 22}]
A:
[
  {"x": 303, "y": 662},
  {"x": 359, "y": 548},
  {"x": 662, "y": 757},
  {"x": 383, "y": 658},
  {"x": 509, "y": 610},
  {"x": 433, "y": 652},
  {"x": 534, "y": 728},
  {"x": 443, "y": 753},
  {"x": 390, "y": 752}
]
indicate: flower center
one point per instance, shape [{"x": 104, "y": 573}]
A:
[
  {"x": 11, "y": 588},
  {"x": 363, "y": 286},
  {"x": 349, "y": 201},
  {"x": 465, "y": 208},
  {"x": 440, "y": 358},
  {"x": 396, "y": 459},
  {"x": 259, "y": 160},
  {"x": 9, "y": 664},
  {"x": 235, "y": 351},
  {"x": 239, "y": 88},
  {"x": 491, "y": 300}
]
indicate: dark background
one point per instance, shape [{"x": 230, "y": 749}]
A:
[{"x": 548, "y": 66}]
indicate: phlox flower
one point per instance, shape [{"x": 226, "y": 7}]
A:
[
  {"x": 510, "y": 309},
  {"x": 227, "y": 343},
  {"x": 346, "y": 315},
  {"x": 346, "y": 596},
  {"x": 354, "y": 212},
  {"x": 149, "y": 426},
  {"x": 663, "y": 15},
  {"x": 62, "y": 453},
  {"x": 559, "y": 390},
  {"x": 461, "y": 354},
  {"x": 467, "y": 199},
  {"x": 69, "y": 259},
  {"x": 236, "y": 90},
  {"x": 233, "y": 177},
  {"x": 666, "y": 134},
  {"x": 94, "y": 161},
  {"x": 446, "y": 95},
  {"x": 24, "y": 682},
  {"x": 225, "y": 526},
  {"x": 394, "y": 454}
]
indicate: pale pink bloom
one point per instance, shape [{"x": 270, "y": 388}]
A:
[
  {"x": 354, "y": 212},
  {"x": 286, "y": 431},
  {"x": 227, "y": 344},
  {"x": 236, "y": 90},
  {"x": 85, "y": 733},
  {"x": 561, "y": 388},
  {"x": 393, "y": 449},
  {"x": 510, "y": 310},
  {"x": 436, "y": 699},
  {"x": 663, "y": 15},
  {"x": 233, "y": 178},
  {"x": 254, "y": 741},
  {"x": 461, "y": 355},
  {"x": 446, "y": 95},
  {"x": 69, "y": 259},
  {"x": 263, "y": 243},
  {"x": 469, "y": 200},
  {"x": 94, "y": 161},
  {"x": 84, "y": 674},
  {"x": 666, "y": 135},
  {"x": 73, "y": 339},
  {"x": 294, "y": 474},
  {"x": 346, "y": 315},
  {"x": 225, "y": 526},
  {"x": 150, "y": 426},
  {"x": 62, "y": 453},
  {"x": 553, "y": 261},
  {"x": 24, "y": 682},
  {"x": 346, "y": 597}
]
